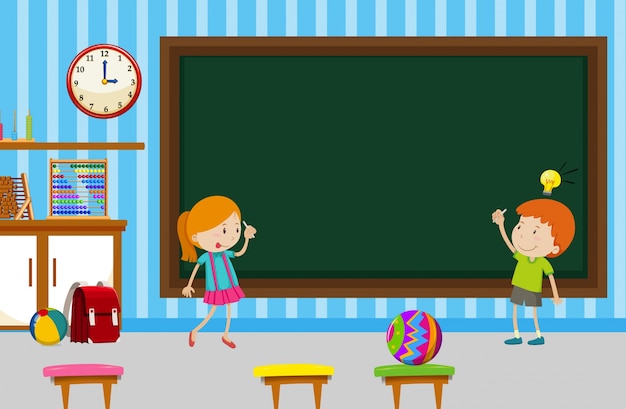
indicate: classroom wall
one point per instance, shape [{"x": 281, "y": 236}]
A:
[{"x": 39, "y": 39}]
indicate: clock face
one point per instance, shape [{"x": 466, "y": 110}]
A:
[{"x": 104, "y": 81}]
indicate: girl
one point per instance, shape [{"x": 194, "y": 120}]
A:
[{"x": 213, "y": 224}]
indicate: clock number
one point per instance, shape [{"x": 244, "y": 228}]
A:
[
  {"x": 130, "y": 68},
  {"x": 80, "y": 68},
  {"x": 80, "y": 97},
  {"x": 104, "y": 53},
  {"x": 90, "y": 106},
  {"x": 75, "y": 82},
  {"x": 132, "y": 81},
  {"x": 90, "y": 58},
  {"x": 106, "y": 109},
  {"x": 119, "y": 58},
  {"x": 119, "y": 104},
  {"x": 130, "y": 94}
]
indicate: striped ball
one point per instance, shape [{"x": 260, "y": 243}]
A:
[
  {"x": 48, "y": 326},
  {"x": 414, "y": 337}
]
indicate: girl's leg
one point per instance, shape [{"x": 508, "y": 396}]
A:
[
  {"x": 202, "y": 324},
  {"x": 225, "y": 338},
  {"x": 227, "y": 322}
]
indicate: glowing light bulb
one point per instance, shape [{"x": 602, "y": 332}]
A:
[{"x": 550, "y": 179}]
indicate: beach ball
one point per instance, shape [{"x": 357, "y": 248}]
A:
[
  {"x": 48, "y": 326},
  {"x": 414, "y": 337}
]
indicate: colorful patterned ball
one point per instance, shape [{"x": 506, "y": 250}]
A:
[
  {"x": 48, "y": 326},
  {"x": 414, "y": 337}
]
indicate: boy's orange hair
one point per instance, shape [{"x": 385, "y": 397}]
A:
[{"x": 557, "y": 215}]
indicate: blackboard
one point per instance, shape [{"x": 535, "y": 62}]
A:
[{"x": 366, "y": 166}]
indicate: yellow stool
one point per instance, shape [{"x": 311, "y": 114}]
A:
[{"x": 276, "y": 375}]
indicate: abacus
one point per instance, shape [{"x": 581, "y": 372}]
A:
[
  {"x": 78, "y": 189},
  {"x": 14, "y": 138},
  {"x": 15, "y": 200}
]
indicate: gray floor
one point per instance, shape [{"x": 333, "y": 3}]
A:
[{"x": 572, "y": 370}]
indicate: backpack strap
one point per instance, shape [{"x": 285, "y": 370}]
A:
[
  {"x": 213, "y": 270},
  {"x": 68, "y": 299},
  {"x": 230, "y": 277}
]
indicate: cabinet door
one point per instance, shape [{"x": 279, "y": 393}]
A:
[
  {"x": 18, "y": 279},
  {"x": 77, "y": 258}
]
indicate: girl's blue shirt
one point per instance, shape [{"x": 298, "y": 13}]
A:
[{"x": 220, "y": 270}]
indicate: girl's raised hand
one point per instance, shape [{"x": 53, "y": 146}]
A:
[
  {"x": 249, "y": 232},
  {"x": 188, "y": 290}
]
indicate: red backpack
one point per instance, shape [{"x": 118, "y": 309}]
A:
[{"x": 95, "y": 313}]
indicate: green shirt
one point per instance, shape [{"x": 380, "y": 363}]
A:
[{"x": 528, "y": 274}]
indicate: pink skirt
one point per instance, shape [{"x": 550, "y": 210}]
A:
[{"x": 221, "y": 297}]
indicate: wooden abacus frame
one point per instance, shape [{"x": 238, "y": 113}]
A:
[
  {"x": 26, "y": 208},
  {"x": 106, "y": 189}
]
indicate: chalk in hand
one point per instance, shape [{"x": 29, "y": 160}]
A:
[
  {"x": 246, "y": 224},
  {"x": 493, "y": 221}
]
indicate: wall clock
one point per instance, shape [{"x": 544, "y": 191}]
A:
[{"x": 104, "y": 81}]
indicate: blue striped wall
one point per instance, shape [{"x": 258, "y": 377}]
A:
[{"x": 38, "y": 40}]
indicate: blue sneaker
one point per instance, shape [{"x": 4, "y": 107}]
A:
[
  {"x": 537, "y": 341},
  {"x": 513, "y": 341}
]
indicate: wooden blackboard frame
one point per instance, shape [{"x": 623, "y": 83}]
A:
[{"x": 593, "y": 48}]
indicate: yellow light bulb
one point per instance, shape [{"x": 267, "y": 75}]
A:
[{"x": 550, "y": 179}]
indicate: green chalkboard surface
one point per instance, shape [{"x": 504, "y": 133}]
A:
[
  {"x": 383, "y": 167},
  {"x": 371, "y": 166}
]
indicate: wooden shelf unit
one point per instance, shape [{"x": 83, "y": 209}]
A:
[{"x": 43, "y": 229}]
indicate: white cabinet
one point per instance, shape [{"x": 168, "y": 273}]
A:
[
  {"x": 77, "y": 258},
  {"x": 18, "y": 279},
  {"x": 41, "y": 259}
]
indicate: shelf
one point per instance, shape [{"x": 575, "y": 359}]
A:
[
  {"x": 63, "y": 226},
  {"x": 104, "y": 146}
]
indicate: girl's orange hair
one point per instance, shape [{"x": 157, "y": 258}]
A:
[
  {"x": 557, "y": 215},
  {"x": 204, "y": 215}
]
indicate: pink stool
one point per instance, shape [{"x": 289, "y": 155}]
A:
[{"x": 66, "y": 375}]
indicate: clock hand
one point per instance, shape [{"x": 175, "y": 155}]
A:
[
  {"x": 104, "y": 68},
  {"x": 113, "y": 81}
]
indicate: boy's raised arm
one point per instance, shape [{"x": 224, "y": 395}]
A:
[{"x": 498, "y": 218}]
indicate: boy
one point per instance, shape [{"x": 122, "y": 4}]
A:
[{"x": 545, "y": 229}]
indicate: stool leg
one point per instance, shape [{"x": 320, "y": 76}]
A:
[
  {"x": 106, "y": 388},
  {"x": 65, "y": 392},
  {"x": 396, "y": 395},
  {"x": 275, "y": 393},
  {"x": 438, "y": 392},
  {"x": 317, "y": 391}
]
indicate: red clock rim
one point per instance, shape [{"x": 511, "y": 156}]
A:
[{"x": 68, "y": 81}]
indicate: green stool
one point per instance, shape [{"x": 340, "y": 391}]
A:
[{"x": 398, "y": 375}]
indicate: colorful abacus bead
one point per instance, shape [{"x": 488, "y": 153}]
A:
[{"x": 29, "y": 127}]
